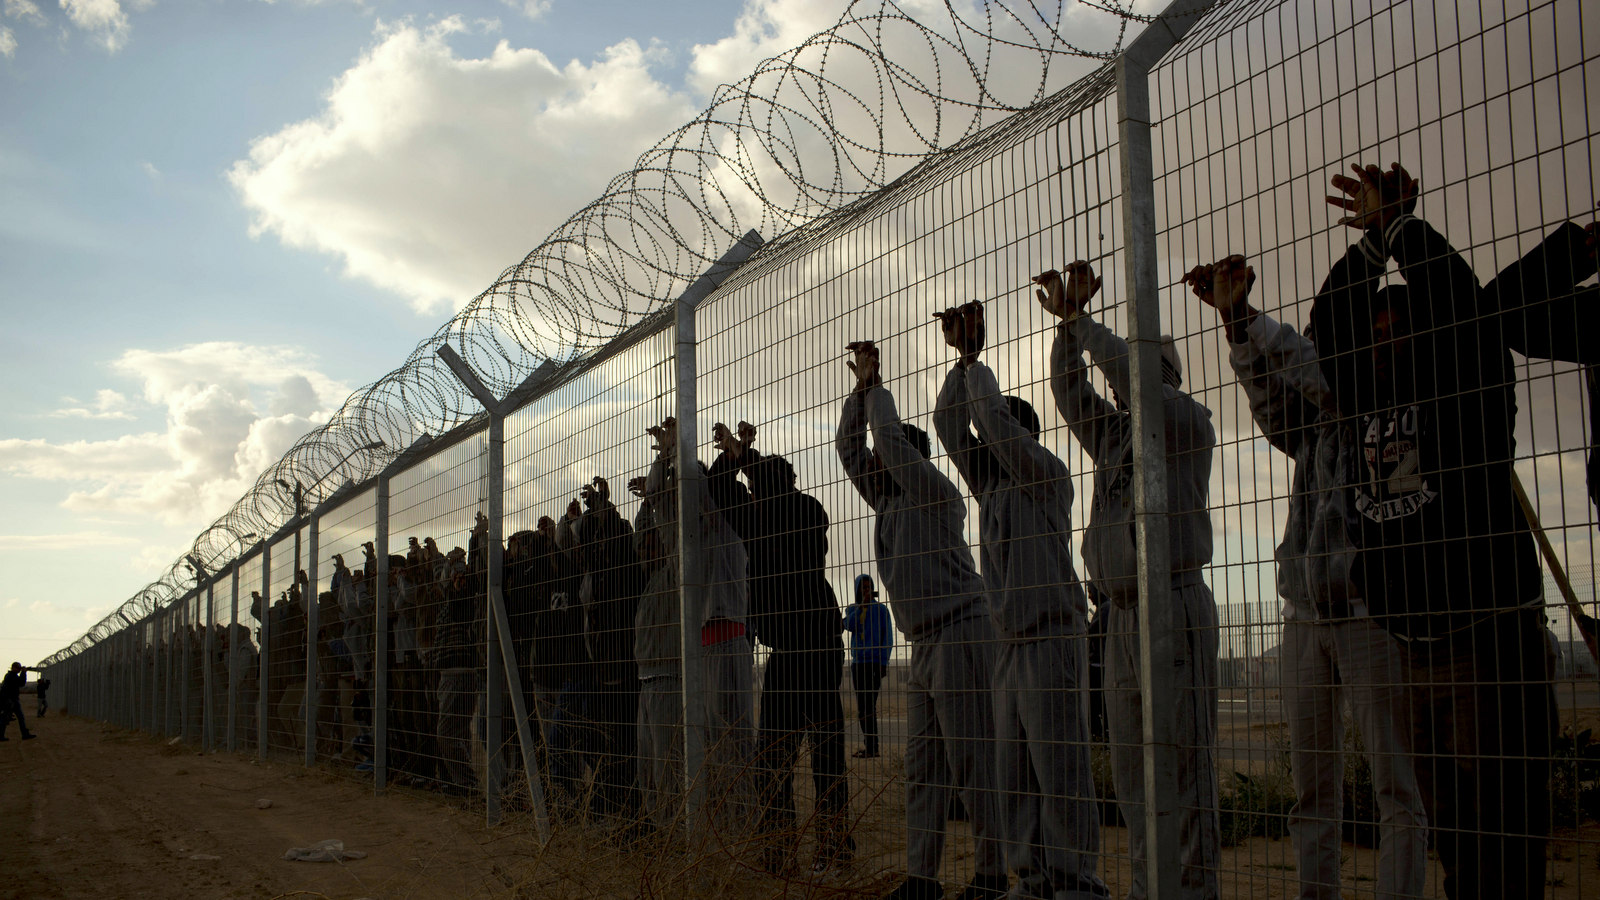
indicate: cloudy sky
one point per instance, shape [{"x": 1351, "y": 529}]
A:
[{"x": 221, "y": 217}]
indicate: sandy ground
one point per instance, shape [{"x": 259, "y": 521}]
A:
[
  {"x": 99, "y": 812},
  {"x": 106, "y": 813}
]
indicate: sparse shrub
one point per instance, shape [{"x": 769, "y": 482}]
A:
[
  {"x": 1258, "y": 805},
  {"x": 1575, "y": 778}
]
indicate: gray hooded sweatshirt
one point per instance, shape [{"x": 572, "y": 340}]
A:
[
  {"x": 1024, "y": 509},
  {"x": 1289, "y": 399},
  {"x": 922, "y": 548},
  {"x": 657, "y": 633},
  {"x": 1110, "y": 550}
]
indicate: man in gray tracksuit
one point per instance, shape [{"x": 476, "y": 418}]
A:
[
  {"x": 657, "y": 646},
  {"x": 1039, "y": 612},
  {"x": 1330, "y": 646},
  {"x": 937, "y": 600},
  {"x": 1110, "y": 553}
]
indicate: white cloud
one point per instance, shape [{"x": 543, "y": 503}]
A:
[
  {"x": 24, "y": 10},
  {"x": 231, "y": 410},
  {"x": 149, "y": 168},
  {"x": 531, "y": 9},
  {"x": 8, "y": 42},
  {"x": 428, "y": 173},
  {"x": 108, "y": 404},
  {"x": 105, "y": 20},
  {"x": 766, "y": 28}
]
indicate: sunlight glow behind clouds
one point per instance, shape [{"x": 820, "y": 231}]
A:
[{"x": 231, "y": 409}]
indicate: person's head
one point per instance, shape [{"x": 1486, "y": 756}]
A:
[
  {"x": 866, "y": 591},
  {"x": 1391, "y": 332},
  {"x": 520, "y": 545},
  {"x": 772, "y": 475},
  {"x": 456, "y": 574},
  {"x": 918, "y": 439},
  {"x": 1171, "y": 370},
  {"x": 1023, "y": 412},
  {"x": 16, "y": 666},
  {"x": 878, "y": 471}
]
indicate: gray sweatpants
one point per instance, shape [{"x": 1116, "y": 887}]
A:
[
  {"x": 1194, "y": 730},
  {"x": 730, "y": 743},
  {"x": 457, "y": 696},
  {"x": 1359, "y": 660},
  {"x": 661, "y": 746},
  {"x": 950, "y": 709},
  {"x": 1047, "y": 795}
]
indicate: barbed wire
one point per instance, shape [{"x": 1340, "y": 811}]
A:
[{"x": 811, "y": 130}]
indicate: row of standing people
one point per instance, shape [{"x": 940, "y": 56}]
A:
[
  {"x": 1407, "y": 567},
  {"x": 1410, "y": 587}
]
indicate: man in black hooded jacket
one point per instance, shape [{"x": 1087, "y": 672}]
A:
[{"x": 1445, "y": 557}]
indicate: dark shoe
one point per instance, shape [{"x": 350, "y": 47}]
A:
[
  {"x": 4, "y": 739},
  {"x": 985, "y": 887},
  {"x": 917, "y": 888},
  {"x": 29, "y": 737}
]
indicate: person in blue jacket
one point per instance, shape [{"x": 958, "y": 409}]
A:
[{"x": 871, "y": 639}]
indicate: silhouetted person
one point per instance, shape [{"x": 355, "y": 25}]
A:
[
  {"x": 1037, "y": 605},
  {"x": 11, "y": 702},
  {"x": 1445, "y": 557},
  {"x": 937, "y": 596}
]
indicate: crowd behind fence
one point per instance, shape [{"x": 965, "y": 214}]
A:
[{"x": 1246, "y": 526}]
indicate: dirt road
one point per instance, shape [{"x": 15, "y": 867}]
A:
[{"x": 99, "y": 812}]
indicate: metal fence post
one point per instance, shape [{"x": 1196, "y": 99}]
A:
[
  {"x": 151, "y": 664},
  {"x": 1158, "y": 633},
  {"x": 691, "y": 549},
  {"x": 691, "y": 567},
  {"x": 494, "y": 659},
  {"x": 168, "y": 665},
  {"x": 499, "y": 675},
  {"x": 232, "y": 735},
  {"x": 266, "y": 645},
  {"x": 380, "y": 639},
  {"x": 208, "y": 707},
  {"x": 312, "y": 599},
  {"x": 185, "y": 624}
]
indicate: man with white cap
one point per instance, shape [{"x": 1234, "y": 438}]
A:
[{"x": 1111, "y": 554}]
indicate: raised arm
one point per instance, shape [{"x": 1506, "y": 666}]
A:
[
  {"x": 952, "y": 422},
  {"x": 1016, "y": 449},
  {"x": 1088, "y": 415},
  {"x": 1546, "y": 314},
  {"x": 850, "y": 442},
  {"x": 912, "y": 472},
  {"x": 1275, "y": 364},
  {"x": 1341, "y": 314}
]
